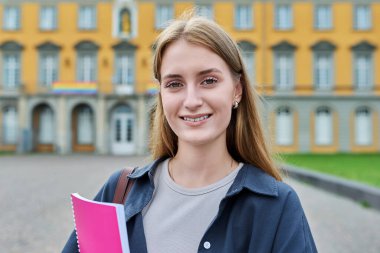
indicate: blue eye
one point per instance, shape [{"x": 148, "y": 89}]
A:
[{"x": 209, "y": 81}]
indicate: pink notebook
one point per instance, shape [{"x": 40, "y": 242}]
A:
[{"x": 100, "y": 227}]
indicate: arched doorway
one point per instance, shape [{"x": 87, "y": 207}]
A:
[
  {"x": 43, "y": 128},
  {"x": 83, "y": 129}
]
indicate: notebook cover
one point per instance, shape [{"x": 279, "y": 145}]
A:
[{"x": 100, "y": 226}]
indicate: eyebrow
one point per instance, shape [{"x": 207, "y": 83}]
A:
[{"x": 203, "y": 72}]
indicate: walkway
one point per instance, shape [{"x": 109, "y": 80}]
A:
[{"x": 36, "y": 210}]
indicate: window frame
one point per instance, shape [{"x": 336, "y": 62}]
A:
[
  {"x": 329, "y": 68},
  {"x": 205, "y": 10},
  {"x": 318, "y": 138},
  {"x": 245, "y": 23},
  {"x": 278, "y": 24},
  {"x": 17, "y": 70},
  {"x": 11, "y": 127},
  {"x": 319, "y": 23},
  {"x": 359, "y": 141},
  {"x": 370, "y": 77},
  {"x": 367, "y": 23},
  {"x": 291, "y": 61},
  {"x": 161, "y": 20},
  {"x": 130, "y": 55},
  {"x": 54, "y": 70},
  {"x": 17, "y": 20},
  {"x": 89, "y": 21},
  {"x": 80, "y": 76},
  {"x": 54, "y": 17},
  {"x": 287, "y": 137}
]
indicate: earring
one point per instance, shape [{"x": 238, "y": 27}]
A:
[{"x": 236, "y": 104}]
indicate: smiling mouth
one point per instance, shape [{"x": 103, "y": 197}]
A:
[{"x": 197, "y": 118}]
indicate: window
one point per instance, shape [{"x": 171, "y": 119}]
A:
[
  {"x": 11, "y": 65},
  {"x": 11, "y": 18},
  {"x": 129, "y": 130},
  {"x": 248, "y": 54},
  {"x": 284, "y": 70},
  {"x": 86, "y": 68},
  {"x": 323, "y": 126},
  {"x": 85, "y": 133},
  {"x": 243, "y": 16},
  {"x": 10, "y": 125},
  {"x": 323, "y": 65},
  {"x": 323, "y": 17},
  {"x": 363, "y": 126},
  {"x": 48, "y": 68},
  {"x": 86, "y": 61},
  {"x": 284, "y": 126},
  {"x": 87, "y": 17},
  {"x": 205, "y": 10},
  {"x": 124, "y": 68},
  {"x": 362, "y": 15},
  {"x": 363, "y": 70},
  {"x": 284, "y": 17},
  {"x": 48, "y": 18},
  {"x": 323, "y": 68},
  {"x": 164, "y": 13},
  {"x": 249, "y": 58},
  {"x": 48, "y": 63}
]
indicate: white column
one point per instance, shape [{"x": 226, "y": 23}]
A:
[
  {"x": 101, "y": 134},
  {"x": 24, "y": 133},
  {"x": 142, "y": 130},
  {"x": 61, "y": 120}
]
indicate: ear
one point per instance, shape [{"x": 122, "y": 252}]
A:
[{"x": 238, "y": 91}]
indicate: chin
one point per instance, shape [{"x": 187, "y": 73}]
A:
[{"x": 199, "y": 139}]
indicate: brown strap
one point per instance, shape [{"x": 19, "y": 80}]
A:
[{"x": 123, "y": 187}]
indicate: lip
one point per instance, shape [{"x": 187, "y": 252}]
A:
[{"x": 197, "y": 119}]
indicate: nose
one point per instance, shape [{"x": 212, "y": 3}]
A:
[{"x": 193, "y": 99}]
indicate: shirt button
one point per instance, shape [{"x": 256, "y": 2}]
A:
[{"x": 207, "y": 245}]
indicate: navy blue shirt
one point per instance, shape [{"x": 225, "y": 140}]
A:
[{"x": 258, "y": 214}]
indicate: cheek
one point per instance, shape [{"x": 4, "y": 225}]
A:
[{"x": 169, "y": 105}]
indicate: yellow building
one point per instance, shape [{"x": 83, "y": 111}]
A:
[{"x": 77, "y": 76}]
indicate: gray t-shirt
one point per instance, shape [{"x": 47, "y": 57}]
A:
[{"x": 176, "y": 218}]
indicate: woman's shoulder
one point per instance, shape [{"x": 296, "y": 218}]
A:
[
  {"x": 107, "y": 191},
  {"x": 261, "y": 182}
]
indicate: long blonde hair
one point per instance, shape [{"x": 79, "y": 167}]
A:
[{"x": 245, "y": 138}]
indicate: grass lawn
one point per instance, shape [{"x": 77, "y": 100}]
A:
[
  {"x": 6, "y": 153},
  {"x": 364, "y": 168}
]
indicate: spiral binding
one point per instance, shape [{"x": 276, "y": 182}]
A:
[{"x": 76, "y": 232}]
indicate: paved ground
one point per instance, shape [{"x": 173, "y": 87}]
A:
[{"x": 36, "y": 210}]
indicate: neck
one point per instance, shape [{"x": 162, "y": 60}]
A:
[{"x": 198, "y": 166}]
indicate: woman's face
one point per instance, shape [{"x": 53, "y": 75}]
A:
[{"x": 197, "y": 91}]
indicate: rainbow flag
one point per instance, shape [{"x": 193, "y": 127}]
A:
[
  {"x": 75, "y": 88},
  {"x": 152, "y": 88}
]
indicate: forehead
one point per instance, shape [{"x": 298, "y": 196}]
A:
[{"x": 185, "y": 56}]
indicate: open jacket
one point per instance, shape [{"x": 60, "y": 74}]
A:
[{"x": 257, "y": 215}]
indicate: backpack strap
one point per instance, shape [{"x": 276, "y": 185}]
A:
[{"x": 123, "y": 187}]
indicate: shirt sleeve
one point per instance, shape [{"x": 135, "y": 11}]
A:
[
  {"x": 293, "y": 232},
  {"x": 105, "y": 194}
]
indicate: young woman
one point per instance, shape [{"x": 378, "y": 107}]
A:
[{"x": 213, "y": 186}]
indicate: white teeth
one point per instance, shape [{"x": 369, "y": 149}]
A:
[{"x": 195, "y": 119}]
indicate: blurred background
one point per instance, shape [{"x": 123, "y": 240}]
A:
[
  {"x": 77, "y": 75},
  {"x": 76, "y": 78}
]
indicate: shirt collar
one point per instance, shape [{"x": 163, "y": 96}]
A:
[
  {"x": 254, "y": 180},
  {"x": 249, "y": 177}
]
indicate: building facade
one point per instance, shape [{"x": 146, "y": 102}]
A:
[{"x": 76, "y": 76}]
